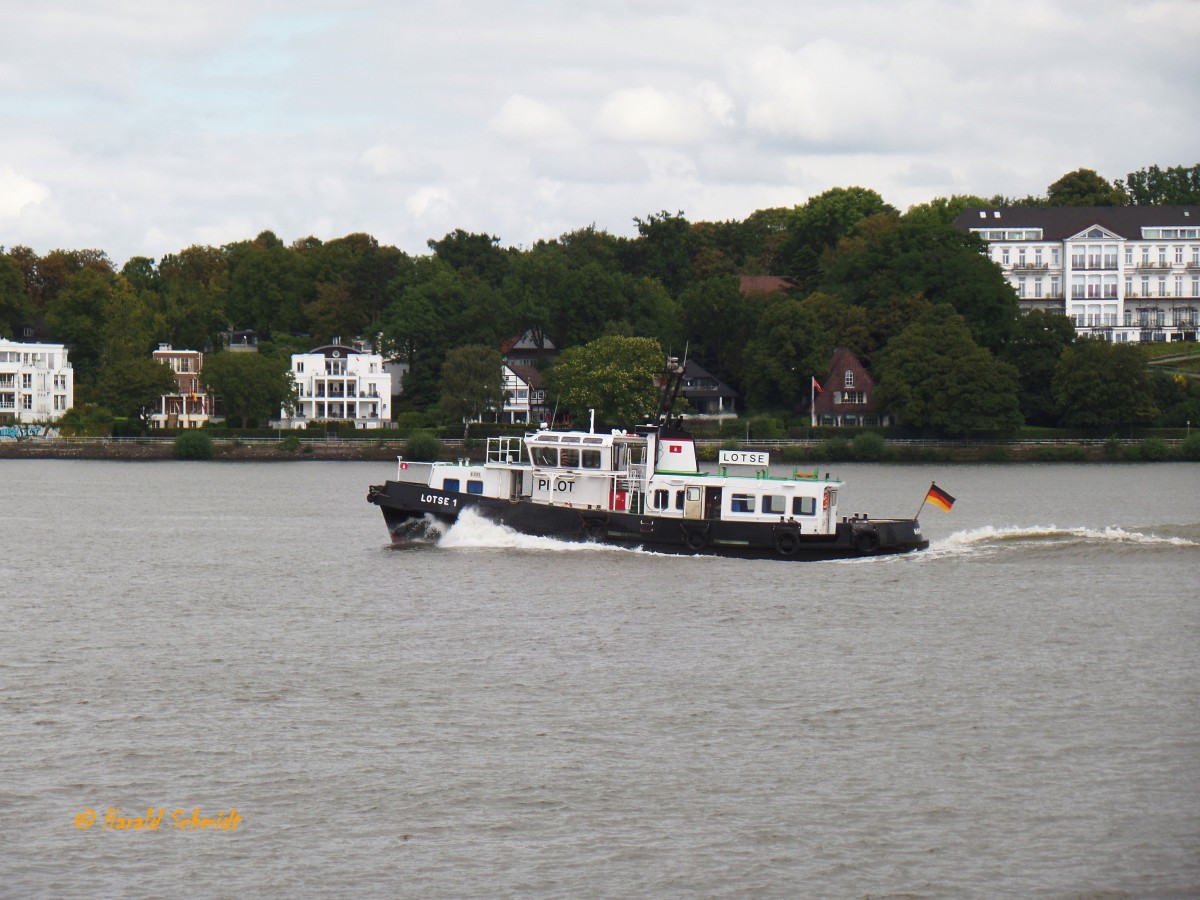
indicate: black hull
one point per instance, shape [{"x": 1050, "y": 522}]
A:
[{"x": 405, "y": 506}]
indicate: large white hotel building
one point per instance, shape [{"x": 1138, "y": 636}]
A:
[
  {"x": 37, "y": 383},
  {"x": 1126, "y": 273}
]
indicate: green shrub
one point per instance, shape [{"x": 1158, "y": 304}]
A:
[
  {"x": 291, "y": 443},
  {"x": 869, "y": 446},
  {"x": 1112, "y": 449},
  {"x": 1190, "y": 448},
  {"x": 997, "y": 453},
  {"x": 1155, "y": 450},
  {"x": 423, "y": 446},
  {"x": 193, "y": 444},
  {"x": 1061, "y": 453}
]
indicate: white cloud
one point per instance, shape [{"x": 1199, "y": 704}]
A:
[
  {"x": 146, "y": 127},
  {"x": 524, "y": 120},
  {"x": 650, "y": 115},
  {"x": 18, "y": 193}
]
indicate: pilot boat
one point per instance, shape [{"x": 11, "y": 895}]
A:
[{"x": 639, "y": 488}]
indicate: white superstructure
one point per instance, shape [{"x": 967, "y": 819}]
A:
[{"x": 37, "y": 383}]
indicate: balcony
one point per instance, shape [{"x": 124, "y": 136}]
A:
[{"x": 1146, "y": 266}]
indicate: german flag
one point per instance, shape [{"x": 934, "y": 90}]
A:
[{"x": 939, "y": 498}]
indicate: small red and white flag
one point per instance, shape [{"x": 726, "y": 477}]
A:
[
  {"x": 817, "y": 385},
  {"x": 675, "y": 448}
]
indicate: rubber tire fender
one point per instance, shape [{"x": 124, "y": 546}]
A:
[
  {"x": 695, "y": 539},
  {"x": 787, "y": 542},
  {"x": 866, "y": 539}
]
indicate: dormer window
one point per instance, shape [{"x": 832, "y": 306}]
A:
[{"x": 848, "y": 380}]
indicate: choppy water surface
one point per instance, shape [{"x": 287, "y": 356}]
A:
[{"x": 1013, "y": 713}]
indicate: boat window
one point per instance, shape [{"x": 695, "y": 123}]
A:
[
  {"x": 693, "y": 493},
  {"x": 569, "y": 439},
  {"x": 591, "y": 459},
  {"x": 679, "y": 499},
  {"x": 776, "y": 504},
  {"x": 450, "y": 484},
  {"x": 545, "y": 456},
  {"x": 474, "y": 487},
  {"x": 661, "y": 498},
  {"x": 587, "y": 440},
  {"x": 804, "y": 506},
  {"x": 741, "y": 503},
  {"x": 548, "y": 437},
  {"x": 569, "y": 458}
]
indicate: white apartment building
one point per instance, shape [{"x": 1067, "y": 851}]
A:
[
  {"x": 37, "y": 383},
  {"x": 1125, "y": 273},
  {"x": 342, "y": 383}
]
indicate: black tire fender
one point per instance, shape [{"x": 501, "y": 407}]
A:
[
  {"x": 595, "y": 529},
  {"x": 695, "y": 539},
  {"x": 866, "y": 539},
  {"x": 787, "y": 541}
]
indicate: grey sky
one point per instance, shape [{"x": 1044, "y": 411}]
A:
[{"x": 140, "y": 127}]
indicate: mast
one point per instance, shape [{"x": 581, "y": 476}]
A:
[{"x": 672, "y": 383}]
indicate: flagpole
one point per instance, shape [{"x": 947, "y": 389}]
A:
[
  {"x": 924, "y": 500},
  {"x": 812, "y": 399}
]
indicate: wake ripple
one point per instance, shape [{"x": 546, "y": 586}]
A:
[{"x": 1054, "y": 537}]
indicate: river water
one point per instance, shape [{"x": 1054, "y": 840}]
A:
[{"x": 1015, "y": 712}]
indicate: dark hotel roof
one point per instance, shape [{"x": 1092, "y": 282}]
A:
[{"x": 1061, "y": 222}]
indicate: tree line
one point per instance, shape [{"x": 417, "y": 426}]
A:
[{"x": 917, "y": 300}]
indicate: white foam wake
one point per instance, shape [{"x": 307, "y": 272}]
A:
[
  {"x": 991, "y": 537},
  {"x": 472, "y": 530}
]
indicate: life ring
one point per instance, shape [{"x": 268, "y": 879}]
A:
[
  {"x": 595, "y": 529},
  {"x": 825, "y": 502},
  {"x": 787, "y": 542},
  {"x": 867, "y": 540},
  {"x": 695, "y": 539}
]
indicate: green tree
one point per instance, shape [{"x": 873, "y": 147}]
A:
[
  {"x": 891, "y": 257},
  {"x": 268, "y": 285},
  {"x": 789, "y": 346},
  {"x": 1173, "y": 186},
  {"x": 133, "y": 386},
  {"x": 933, "y": 375},
  {"x": 1084, "y": 187},
  {"x": 16, "y": 307},
  {"x": 195, "y": 290},
  {"x": 253, "y": 387},
  {"x": 613, "y": 375},
  {"x": 1035, "y": 349},
  {"x": 1099, "y": 384},
  {"x": 473, "y": 254},
  {"x": 76, "y": 317},
  {"x": 718, "y": 320},
  {"x": 665, "y": 248},
  {"x": 472, "y": 383}
]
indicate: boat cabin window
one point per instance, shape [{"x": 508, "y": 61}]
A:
[
  {"x": 590, "y": 459},
  {"x": 569, "y": 439},
  {"x": 474, "y": 487},
  {"x": 545, "y": 456},
  {"x": 450, "y": 484},
  {"x": 741, "y": 503},
  {"x": 679, "y": 499},
  {"x": 693, "y": 494},
  {"x": 776, "y": 504},
  {"x": 568, "y": 458},
  {"x": 804, "y": 506},
  {"x": 661, "y": 498}
]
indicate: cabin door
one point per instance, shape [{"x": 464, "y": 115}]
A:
[
  {"x": 693, "y": 503},
  {"x": 712, "y": 503}
]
